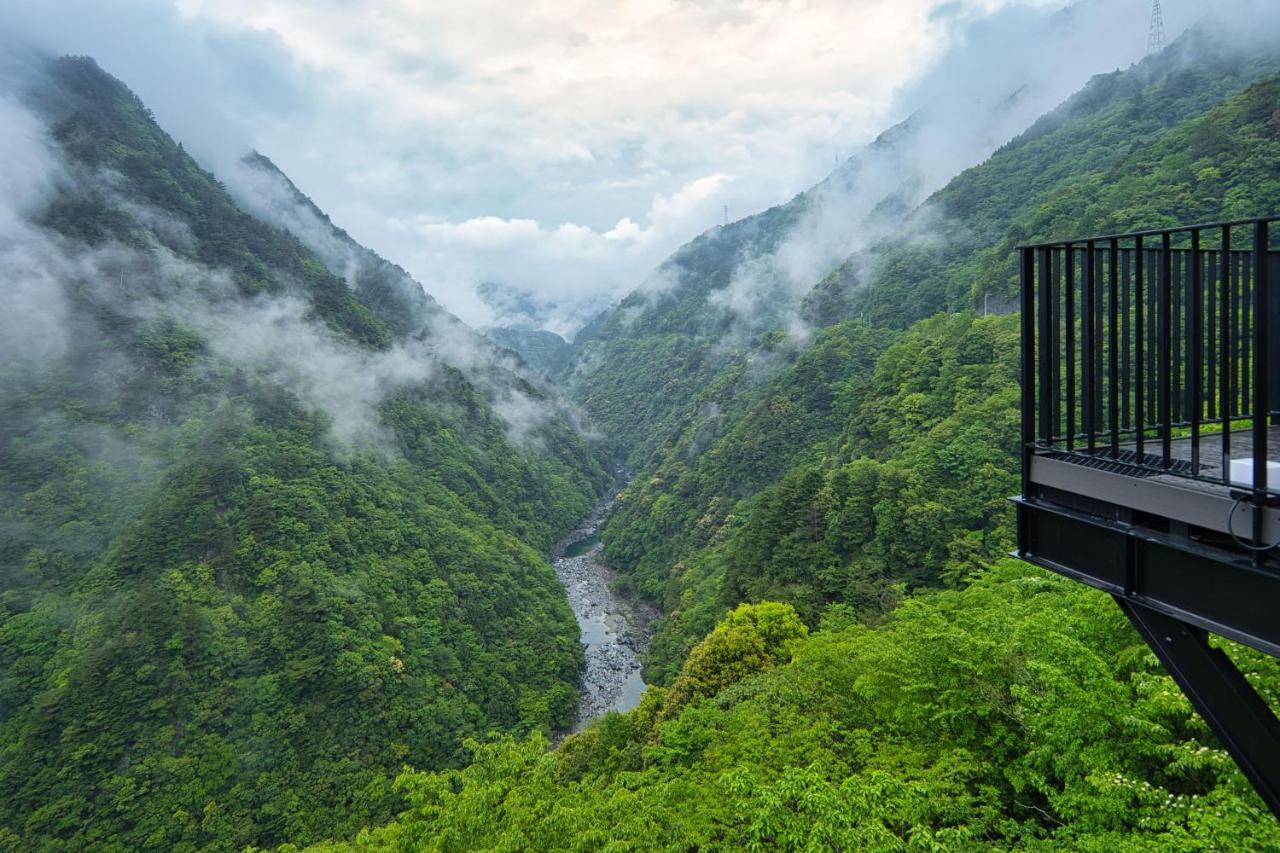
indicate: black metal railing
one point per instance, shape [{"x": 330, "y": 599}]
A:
[{"x": 1153, "y": 350}]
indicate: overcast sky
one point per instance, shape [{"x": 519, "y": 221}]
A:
[{"x": 562, "y": 147}]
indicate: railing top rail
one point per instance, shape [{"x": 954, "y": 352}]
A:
[{"x": 1155, "y": 232}]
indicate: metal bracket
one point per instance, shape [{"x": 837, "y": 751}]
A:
[{"x": 1227, "y": 702}]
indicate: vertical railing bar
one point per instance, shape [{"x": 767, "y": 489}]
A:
[
  {"x": 1113, "y": 350},
  {"x": 1246, "y": 332},
  {"x": 1027, "y": 319},
  {"x": 1237, "y": 326},
  {"x": 1211, "y": 336},
  {"x": 1126, "y": 359},
  {"x": 1139, "y": 297},
  {"x": 1166, "y": 335},
  {"x": 1153, "y": 339},
  {"x": 1047, "y": 391},
  {"x": 1195, "y": 345},
  {"x": 1055, "y": 342},
  {"x": 1224, "y": 361},
  {"x": 1261, "y": 408},
  {"x": 1177, "y": 283},
  {"x": 1087, "y": 368},
  {"x": 1070, "y": 301},
  {"x": 1099, "y": 339}
]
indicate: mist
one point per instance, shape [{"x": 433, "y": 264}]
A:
[
  {"x": 275, "y": 338},
  {"x": 561, "y": 209},
  {"x": 1003, "y": 73},
  {"x": 33, "y": 326}
]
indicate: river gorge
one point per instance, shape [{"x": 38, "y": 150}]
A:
[{"x": 616, "y": 628}]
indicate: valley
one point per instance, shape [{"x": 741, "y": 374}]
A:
[
  {"x": 291, "y": 557},
  {"x": 616, "y": 628}
]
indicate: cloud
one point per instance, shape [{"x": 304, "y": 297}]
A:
[
  {"x": 276, "y": 338},
  {"x": 1002, "y": 70},
  {"x": 556, "y": 275},
  {"x": 425, "y": 129},
  {"x": 33, "y": 322}
]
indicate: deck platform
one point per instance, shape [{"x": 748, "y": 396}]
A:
[
  {"x": 1199, "y": 497},
  {"x": 1174, "y": 333}
]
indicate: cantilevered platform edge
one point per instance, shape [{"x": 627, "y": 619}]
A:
[
  {"x": 1193, "y": 503},
  {"x": 1171, "y": 574}
]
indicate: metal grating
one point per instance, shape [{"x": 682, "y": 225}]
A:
[{"x": 1127, "y": 463}]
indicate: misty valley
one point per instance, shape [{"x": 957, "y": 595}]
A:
[{"x": 303, "y": 549}]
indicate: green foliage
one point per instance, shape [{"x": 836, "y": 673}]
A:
[
  {"x": 864, "y": 467},
  {"x": 752, "y": 638},
  {"x": 216, "y": 631},
  {"x": 1018, "y": 713},
  {"x": 258, "y": 636},
  {"x": 649, "y": 369},
  {"x": 1152, "y": 146},
  {"x": 104, "y": 128}
]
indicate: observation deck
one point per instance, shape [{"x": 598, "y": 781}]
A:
[{"x": 1151, "y": 449}]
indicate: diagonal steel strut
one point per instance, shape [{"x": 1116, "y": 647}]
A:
[{"x": 1234, "y": 711}]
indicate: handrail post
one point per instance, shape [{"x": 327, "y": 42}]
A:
[
  {"x": 1088, "y": 370},
  {"x": 1224, "y": 357},
  {"x": 1195, "y": 346},
  {"x": 1261, "y": 347},
  {"x": 1069, "y": 299},
  {"x": 1165, "y": 384},
  {"x": 1028, "y": 365},
  {"x": 1113, "y": 349},
  {"x": 1044, "y": 349},
  {"x": 1139, "y": 350}
]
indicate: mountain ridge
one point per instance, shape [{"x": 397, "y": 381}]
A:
[{"x": 264, "y": 541}]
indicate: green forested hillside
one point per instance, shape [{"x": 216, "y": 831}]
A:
[
  {"x": 669, "y": 354},
  {"x": 263, "y": 544},
  {"x": 541, "y": 350},
  {"x": 1018, "y": 713},
  {"x": 901, "y": 479},
  {"x": 274, "y": 524},
  {"x": 750, "y": 506},
  {"x": 1101, "y": 137}
]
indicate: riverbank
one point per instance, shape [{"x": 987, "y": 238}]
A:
[{"x": 616, "y": 629}]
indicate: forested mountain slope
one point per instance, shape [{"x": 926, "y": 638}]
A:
[
  {"x": 542, "y": 350},
  {"x": 272, "y": 528},
  {"x": 926, "y": 414},
  {"x": 259, "y": 186},
  {"x": 973, "y": 223},
  {"x": 728, "y": 309}
]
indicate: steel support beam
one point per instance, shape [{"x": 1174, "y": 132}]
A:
[{"x": 1234, "y": 711}]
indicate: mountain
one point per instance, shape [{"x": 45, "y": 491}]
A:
[
  {"x": 847, "y": 661},
  {"x": 740, "y": 301},
  {"x": 274, "y": 523},
  {"x": 544, "y": 351},
  {"x": 267, "y": 193},
  {"x": 722, "y": 426},
  {"x": 741, "y": 456},
  {"x": 1018, "y": 713}
]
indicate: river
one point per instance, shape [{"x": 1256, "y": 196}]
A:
[{"x": 615, "y": 628}]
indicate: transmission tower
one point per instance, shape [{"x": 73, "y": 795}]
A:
[{"x": 1155, "y": 38}]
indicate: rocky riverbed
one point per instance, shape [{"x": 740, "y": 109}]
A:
[{"x": 615, "y": 628}]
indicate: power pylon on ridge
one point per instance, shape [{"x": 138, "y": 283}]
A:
[{"x": 1155, "y": 38}]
